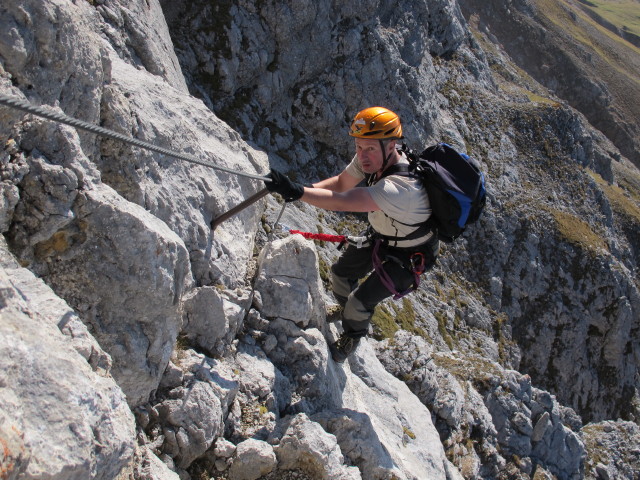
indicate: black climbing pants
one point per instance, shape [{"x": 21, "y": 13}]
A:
[{"x": 360, "y": 299}]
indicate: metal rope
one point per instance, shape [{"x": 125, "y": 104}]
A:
[{"x": 19, "y": 104}]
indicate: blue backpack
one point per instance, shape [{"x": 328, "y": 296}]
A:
[{"x": 455, "y": 186}]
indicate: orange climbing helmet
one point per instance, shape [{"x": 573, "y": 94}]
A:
[{"x": 376, "y": 122}]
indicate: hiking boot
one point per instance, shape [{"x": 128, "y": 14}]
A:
[{"x": 343, "y": 347}]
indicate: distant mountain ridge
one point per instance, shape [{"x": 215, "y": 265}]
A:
[
  {"x": 617, "y": 17},
  {"x": 563, "y": 46}
]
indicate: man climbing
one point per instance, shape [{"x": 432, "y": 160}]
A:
[{"x": 398, "y": 246}]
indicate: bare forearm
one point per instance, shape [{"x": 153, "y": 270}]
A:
[
  {"x": 340, "y": 183},
  {"x": 354, "y": 200},
  {"x": 332, "y": 184}
]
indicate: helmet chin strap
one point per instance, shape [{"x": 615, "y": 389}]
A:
[{"x": 385, "y": 158}]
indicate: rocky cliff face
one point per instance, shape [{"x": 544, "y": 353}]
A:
[{"x": 137, "y": 343}]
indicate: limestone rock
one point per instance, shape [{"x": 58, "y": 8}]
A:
[
  {"x": 264, "y": 388},
  {"x": 15, "y": 455},
  {"x": 56, "y": 311},
  {"x": 195, "y": 417},
  {"x": 76, "y": 234},
  {"x": 357, "y": 407},
  {"x": 183, "y": 195},
  {"x": 289, "y": 265},
  {"x": 58, "y": 416},
  {"x": 9, "y": 199},
  {"x": 405, "y": 441},
  {"x": 212, "y": 319},
  {"x": 41, "y": 57},
  {"x": 253, "y": 459},
  {"x": 501, "y": 406},
  {"x": 130, "y": 299},
  {"x": 612, "y": 447},
  {"x": 224, "y": 448},
  {"x": 304, "y": 354},
  {"x": 349, "y": 46},
  {"x": 173, "y": 376},
  {"x": 138, "y": 32},
  {"x": 192, "y": 415},
  {"x": 307, "y": 447},
  {"x": 150, "y": 467}
]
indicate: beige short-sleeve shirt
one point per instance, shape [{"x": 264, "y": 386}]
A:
[{"x": 403, "y": 204}]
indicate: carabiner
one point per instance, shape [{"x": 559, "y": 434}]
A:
[{"x": 418, "y": 263}]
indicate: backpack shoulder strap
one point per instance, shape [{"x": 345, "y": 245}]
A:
[{"x": 402, "y": 170}]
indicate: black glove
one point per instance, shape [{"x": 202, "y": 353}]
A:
[{"x": 283, "y": 185}]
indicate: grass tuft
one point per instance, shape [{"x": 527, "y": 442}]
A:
[
  {"x": 623, "y": 202},
  {"x": 577, "y": 232}
]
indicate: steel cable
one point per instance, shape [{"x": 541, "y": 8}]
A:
[{"x": 19, "y": 104}]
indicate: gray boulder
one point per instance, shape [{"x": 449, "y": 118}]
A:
[
  {"x": 306, "y": 446},
  {"x": 59, "y": 416},
  {"x": 252, "y": 460},
  {"x": 212, "y": 318},
  {"x": 192, "y": 415},
  {"x": 82, "y": 249},
  {"x": 288, "y": 281},
  {"x": 149, "y": 467},
  {"x": 183, "y": 195}
]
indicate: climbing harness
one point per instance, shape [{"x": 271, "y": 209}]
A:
[
  {"x": 417, "y": 263},
  {"x": 19, "y": 104}
]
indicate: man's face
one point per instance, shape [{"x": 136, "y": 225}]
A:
[{"x": 370, "y": 155}]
